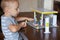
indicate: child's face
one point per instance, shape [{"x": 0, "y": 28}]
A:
[{"x": 13, "y": 9}]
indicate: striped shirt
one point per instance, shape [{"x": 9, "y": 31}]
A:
[{"x": 5, "y": 22}]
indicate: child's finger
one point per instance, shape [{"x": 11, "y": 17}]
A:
[
  {"x": 25, "y": 21},
  {"x": 30, "y": 19},
  {"x": 25, "y": 24}
]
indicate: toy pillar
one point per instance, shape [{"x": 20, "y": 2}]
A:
[
  {"x": 47, "y": 25},
  {"x": 35, "y": 19}
]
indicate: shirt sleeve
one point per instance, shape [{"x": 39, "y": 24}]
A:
[{"x": 5, "y": 22}]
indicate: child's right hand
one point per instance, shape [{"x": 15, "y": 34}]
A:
[{"x": 23, "y": 24}]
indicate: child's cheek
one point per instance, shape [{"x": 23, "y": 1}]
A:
[
  {"x": 18, "y": 10},
  {"x": 15, "y": 12}
]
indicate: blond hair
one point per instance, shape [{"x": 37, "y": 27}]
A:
[{"x": 5, "y": 2}]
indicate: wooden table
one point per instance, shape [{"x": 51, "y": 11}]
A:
[{"x": 33, "y": 34}]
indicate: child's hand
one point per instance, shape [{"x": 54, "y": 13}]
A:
[
  {"x": 21, "y": 18},
  {"x": 30, "y": 19},
  {"x": 23, "y": 24},
  {"x": 24, "y": 18}
]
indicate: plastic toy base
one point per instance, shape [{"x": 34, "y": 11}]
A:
[{"x": 46, "y": 32}]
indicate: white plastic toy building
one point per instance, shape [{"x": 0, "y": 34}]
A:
[
  {"x": 50, "y": 19},
  {"x": 47, "y": 18}
]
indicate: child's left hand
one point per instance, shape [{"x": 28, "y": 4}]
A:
[
  {"x": 24, "y": 18},
  {"x": 30, "y": 19}
]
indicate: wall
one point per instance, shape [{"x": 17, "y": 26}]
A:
[
  {"x": 57, "y": 0},
  {"x": 26, "y": 5}
]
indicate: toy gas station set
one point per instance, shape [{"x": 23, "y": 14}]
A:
[{"x": 47, "y": 17}]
